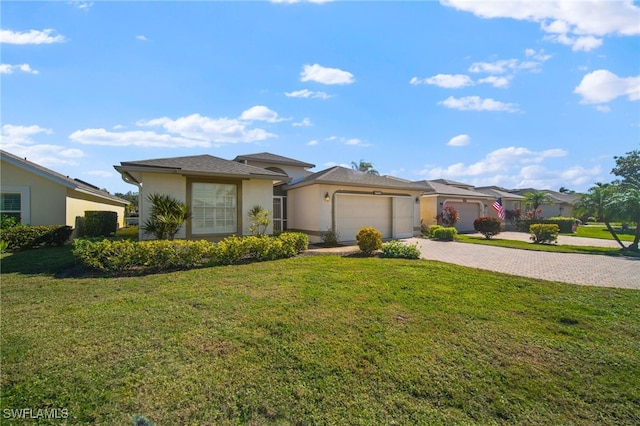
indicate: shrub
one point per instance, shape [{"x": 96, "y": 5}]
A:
[
  {"x": 3, "y": 246},
  {"x": 448, "y": 216},
  {"x": 330, "y": 237},
  {"x": 166, "y": 217},
  {"x": 396, "y": 249},
  {"x": 487, "y": 226},
  {"x": 441, "y": 233},
  {"x": 369, "y": 239},
  {"x": 25, "y": 237},
  {"x": 100, "y": 223},
  {"x": 544, "y": 233},
  {"x": 299, "y": 240},
  {"x": 7, "y": 221},
  {"x": 230, "y": 250},
  {"x": 565, "y": 224},
  {"x": 259, "y": 218}
]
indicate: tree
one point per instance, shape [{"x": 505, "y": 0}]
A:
[
  {"x": 624, "y": 204},
  {"x": 166, "y": 217},
  {"x": 564, "y": 190},
  {"x": 535, "y": 199},
  {"x": 131, "y": 197},
  {"x": 628, "y": 167},
  {"x": 365, "y": 167}
]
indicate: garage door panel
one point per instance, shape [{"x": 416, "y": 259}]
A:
[
  {"x": 403, "y": 217},
  {"x": 354, "y": 212},
  {"x": 468, "y": 212}
]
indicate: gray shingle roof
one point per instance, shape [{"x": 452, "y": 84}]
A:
[
  {"x": 557, "y": 197},
  {"x": 204, "y": 164},
  {"x": 338, "y": 175},
  {"x": 268, "y": 157},
  {"x": 444, "y": 189},
  {"x": 76, "y": 184},
  {"x": 498, "y": 192}
]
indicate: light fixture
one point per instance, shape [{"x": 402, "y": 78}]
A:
[
  {"x": 417, "y": 200},
  {"x": 326, "y": 197}
]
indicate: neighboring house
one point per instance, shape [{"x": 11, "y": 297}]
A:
[
  {"x": 39, "y": 196},
  {"x": 468, "y": 202},
  {"x": 563, "y": 204},
  {"x": 509, "y": 200},
  {"x": 218, "y": 192},
  {"x": 344, "y": 200}
]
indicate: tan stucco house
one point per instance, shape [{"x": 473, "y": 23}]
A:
[
  {"x": 40, "y": 196},
  {"x": 562, "y": 204}
]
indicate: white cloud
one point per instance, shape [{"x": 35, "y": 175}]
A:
[
  {"x": 603, "y": 108},
  {"x": 447, "y": 81},
  {"x": 497, "y": 67},
  {"x": 475, "y": 103},
  {"x": 19, "y": 141},
  {"x": 575, "y": 23},
  {"x": 261, "y": 113},
  {"x": 82, "y": 5},
  {"x": 306, "y": 93},
  {"x": 141, "y": 37},
  {"x": 460, "y": 140},
  {"x": 134, "y": 138},
  {"x": 312, "y": 143},
  {"x": 515, "y": 167},
  {"x": 325, "y": 75},
  {"x": 306, "y": 122},
  {"x": 603, "y": 86},
  {"x": 101, "y": 173},
  {"x": 31, "y": 37},
  {"x": 9, "y": 69},
  {"x": 499, "y": 82}
]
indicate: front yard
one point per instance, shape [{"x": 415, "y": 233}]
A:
[{"x": 316, "y": 340}]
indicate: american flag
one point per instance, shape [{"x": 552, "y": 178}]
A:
[{"x": 497, "y": 205}]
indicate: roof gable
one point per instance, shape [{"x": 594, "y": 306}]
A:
[
  {"x": 267, "y": 157},
  {"x": 66, "y": 181}
]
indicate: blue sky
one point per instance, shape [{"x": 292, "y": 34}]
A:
[{"x": 517, "y": 94}]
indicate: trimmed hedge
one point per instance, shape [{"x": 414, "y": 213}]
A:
[
  {"x": 544, "y": 233},
  {"x": 565, "y": 224},
  {"x": 125, "y": 256},
  {"x": 24, "y": 237},
  {"x": 441, "y": 233},
  {"x": 100, "y": 223},
  {"x": 369, "y": 239},
  {"x": 396, "y": 249}
]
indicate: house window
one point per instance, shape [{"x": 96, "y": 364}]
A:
[
  {"x": 214, "y": 208},
  {"x": 11, "y": 205}
]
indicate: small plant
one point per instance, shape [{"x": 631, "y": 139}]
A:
[
  {"x": 3, "y": 246},
  {"x": 369, "y": 239},
  {"x": 397, "y": 249},
  {"x": 330, "y": 237},
  {"x": 487, "y": 226},
  {"x": 7, "y": 221},
  {"x": 544, "y": 233},
  {"x": 448, "y": 216},
  {"x": 139, "y": 420},
  {"x": 259, "y": 218}
]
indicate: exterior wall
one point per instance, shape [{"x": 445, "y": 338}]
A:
[
  {"x": 46, "y": 198},
  {"x": 310, "y": 213},
  {"x": 256, "y": 192},
  {"x": 428, "y": 210},
  {"x": 166, "y": 184},
  {"x": 78, "y": 203},
  {"x": 558, "y": 209}
]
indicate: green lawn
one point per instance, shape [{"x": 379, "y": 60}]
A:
[
  {"x": 316, "y": 340},
  {"x": 601, "y": 231}
]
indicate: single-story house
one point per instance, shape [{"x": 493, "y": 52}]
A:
[
  {"x": 563, "y": 204},
  {"x": 510, "y": 201},
  {"x": 466, "y": 199},
  {"x": 221, "y": 192},
  {"x": 40, "y": 196}
]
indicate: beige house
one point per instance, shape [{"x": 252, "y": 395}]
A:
[
  {"x": 562, "y": 204},
  {"x": 40, "y": 196}
]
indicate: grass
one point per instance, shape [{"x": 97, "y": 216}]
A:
[
  {"x": 555, "y": 248},
  {"x": 601, "y": 231},
  {"x": 316, "y": 340}
]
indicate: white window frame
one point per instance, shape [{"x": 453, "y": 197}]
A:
[{"x": 25, "y": 201}]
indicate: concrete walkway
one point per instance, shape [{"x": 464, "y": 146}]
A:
[{"x": 584, "y": 269}]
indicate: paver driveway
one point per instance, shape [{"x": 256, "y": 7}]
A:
[{"x": 596, "y": 270}]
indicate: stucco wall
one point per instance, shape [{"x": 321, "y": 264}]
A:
[
  {"x": 256, "y": 192},
  {"x": 47, "y": 198},
  {"x": 165, "y": 184},
  {"x": 78, "y": 203}
]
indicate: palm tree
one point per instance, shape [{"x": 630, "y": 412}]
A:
[
  {"x": 166, "y": 218},
  {"x": 364, "y": 167},
  {"x": 535, "y": 199}
]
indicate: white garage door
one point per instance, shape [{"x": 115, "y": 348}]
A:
[
  {"x": 392, "y": 216},
  {"x": 468, "y": 212}
]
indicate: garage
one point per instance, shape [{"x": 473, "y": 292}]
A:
[
  {"x": 391, "y": 215},
  {"x": 468, "y": 212}
]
